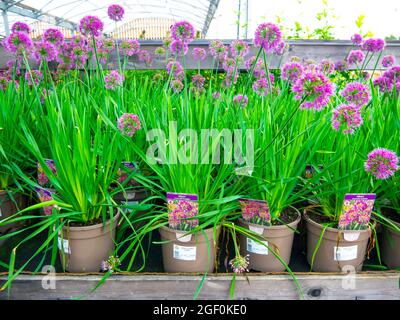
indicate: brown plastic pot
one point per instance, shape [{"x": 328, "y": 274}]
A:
[
  {"x": 82, "y": 249},
  {"x": 8, "y": 208},
  {"x": 278, "y": 240},
  {"x": 391, "y": 246},
  {"x": 188, "y": 253},
  {"x": 339, "y": 250}
]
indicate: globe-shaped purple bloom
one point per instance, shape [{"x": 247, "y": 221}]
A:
[
  {"x": 116, "y": 12},
  {"x": 91, "y": 26},
  {"x": 382, "y": 163}
]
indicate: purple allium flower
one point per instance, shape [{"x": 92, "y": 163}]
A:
[
  {"x": 20, "y": 27},
  {"x": 113, "y": 80},
  {"x": 176, "y": 85},
  {"x": 108, "y": 44},
  {"x": 218, "y": 50},
  {"x": 216, "y": 95},
  {"x": 356, "y": 93},
  {"x": 18, "y": 42},
  {"x": 167, "y": 41},
  {"x": 373, "y": 45},
  {"x": 388, "y": 61},
  {"x": 341, "y": 65},
  {"x": 183, "y": 31},
  {"x": 267, "y": 36},
  {"x": 357, "y": 39},
  {"x": 240, "y": 100},
  {"x": 130, "y": 47},
  {"x": 346, "y": 118},
  {"x": 198, "y": 83},
  {"x": 315, "y": 88},
  {"x": 4, "y": 81},
  {"x": 174, "y": 68},
  {"x": 249, "y": 63},
  {"x": 240, "y": 264},
  {"x": 144, "y": 56},
  {"x": 365, "y": 75},
  {"x": 79, "y": 55},
  {"x": 53, "y": 36},
  {"x": 355, "y": 57},
  {"x": 229, "y": 64},
  {"x": 199, "y": 54},
  {"x": 384, "y": 84},
  {"x": 261, "y": 86},
  {"x": 393, "y": 74},
  {"x": 45, "y": 51},
  {"x": 91, "y": 26},
  {"x": 239, "y": 48},
  {"x": 33, "y": 77},
  {"x": 179, "y": 47},
  {"x": 78, "y": 40},
  {"x": 292, "y": 71},
  {"x": 116, "y": 12},
  {"x": 382, "y": 163},
  {"x": 128, "y": 124},
  {"x": 279, "y": 50},
  {"x": 327, "y": 66}
]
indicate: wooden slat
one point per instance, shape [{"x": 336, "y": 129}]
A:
[
  {"x": 316, "y": 286},
  {"x": 304, "y": 49}
]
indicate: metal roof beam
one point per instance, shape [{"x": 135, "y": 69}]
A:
[
  {"x": 212, "y": 8},
  {"x": 26, "y": 11}
]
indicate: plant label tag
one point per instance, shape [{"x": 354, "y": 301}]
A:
[
  {"x": 183, "y": 237},
  {"x": 257, "y": 248},
  {"x": 184, "y": 253},
  {"x": 351, "y": 235},
  {"x": 63, "y": 245},
  {"x": 244, "y": 171},
  {"x": 357, "y": 209},
  {"x": 182, "y": 211},
  {"x": 255, "y": 211},
  {"x": 258, "y": 230},
  {"x": 1, "y": 214},
  {"x": 345, "y": 253}
]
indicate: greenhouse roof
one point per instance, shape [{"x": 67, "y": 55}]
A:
[{"x": 67, "y": 13}]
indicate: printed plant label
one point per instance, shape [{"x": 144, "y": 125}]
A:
[
  {"x": 257, "y": 248},
  {"x": 182, "y": 210},
  {"x": 357, "y": 209},
  {"x": 345, "y": 253},
  {"x": 184, "y": 253},
  {"x": 63, "y": 244},
  {"x": 255, "y": 211},
  {"x": 1, "y": 214}
]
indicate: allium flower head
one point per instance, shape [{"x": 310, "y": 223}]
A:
[
  {"x": 33, "y": 77},
  {"x": 279, "y": 50},
  {"x": 4, "y": 81},
  {"x": 183, "y": 31},
  {"x": 216, "y": 95},
  {"x": 44, "y": 51},
  {"x": 128, "y": 124},
  {"x": 239, "y": 48},
  {"x": 199, "y": 54},
  {"x": 218, "y": 50},
  {"x": 116, "y": 12},
  {"x": 341, "y": 65},
  {"x": 111, "y": 264},
  {"x": 240, "y": 264},
  {"x": 382, "y": 163},
  {"x": 315, "y": 88},
  {"x": 261, "y": 86},
  {"x": 20, "y": 27},
  {"x": 144, "y": 56},
  {"x": 159, "y": 51},
  {"x": 373, "y": 45},
  {"x": 176, "y": 85},
  {"x": 178, "y": 47},
  {"x": 393, "y": 74},
  {"x": 355, "y": 57},
  {"x": 108, "y": 44},
  {"x": 384, "y": 84},
  {"x": 292, "y": 71},
  {"x": 267, "y": 36},
  {"x": 356, "y": 93},
  {"x": 346, "y": 118},
  {"x": 198, "y": 83},
  {"x": 130, "y": 47},
  {"x": 327, "y": 66},
  {"x": 53, "y": 36},
  {"x": 18, "y": 42},
  {"x": 240, "y": 100},
  {"x": 175, "y": 68},
  {"x": 357, "y": 39},
  {"x": 229, "y": 64},
  {"x": 113, "y": 80},
  {"x": 388, "y": 61},
  {"x": 91, "y": 26},
  {"x": 78, "y": 40}
]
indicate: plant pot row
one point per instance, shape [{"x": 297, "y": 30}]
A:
[{"x": 82, "y": 249}]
